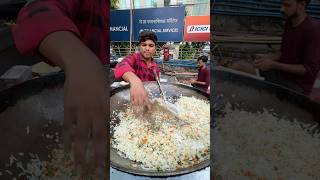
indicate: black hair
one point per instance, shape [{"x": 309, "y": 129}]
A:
[
  {"x": 147, "y": 35},
  {"x": 203, "y": 58}
]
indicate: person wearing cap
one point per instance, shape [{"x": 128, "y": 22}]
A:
[
  {"x": 203, "y": 80},
  {"x": 73, "y": 35},
  {"x": 139, "y": 67}
]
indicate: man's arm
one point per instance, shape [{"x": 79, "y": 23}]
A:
[
  {"x": 264, "y": 64},
  {"x": 138, "y": 94},
  {"x": 206, "y": 80},
  {"x": 131, "y": 77},
  {"x": 46, "y": 27},
  {"x": 298, "y": 69},
  {"x": 125, "y": 66},
  {"x": 311, "y": 52},
  {"x": 40, "y": 18},
  {"x": 85, "y": 94},
  {"x": 311, "y": 58},
  {"x": 199, "y": 82}
]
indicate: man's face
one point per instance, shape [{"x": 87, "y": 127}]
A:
[
  {"x": 147, "y": 49},
  {"x": 291, "y": 8},
  {"x": 200, "y": 64}
]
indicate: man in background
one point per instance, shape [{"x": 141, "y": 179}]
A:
[
  {"x": 299, "y": 62},
  {"x": 203, "y": 80}
]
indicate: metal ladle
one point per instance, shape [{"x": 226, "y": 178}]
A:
[{"x": 169, "y": 106}]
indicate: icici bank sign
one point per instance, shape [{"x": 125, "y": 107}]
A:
[{"x": 197, "y": 28}]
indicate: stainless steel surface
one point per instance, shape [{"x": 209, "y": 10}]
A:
[
  {"x": 203, "y": 174},
  {"x": 121, "y": 96}
]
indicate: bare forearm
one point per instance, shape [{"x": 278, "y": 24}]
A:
[
  {"x": 131, "y": 77},
  {"x": 200, "y": 83},
  {"x": 66, "y": 50},
  {"x": 290, "y": 68}
]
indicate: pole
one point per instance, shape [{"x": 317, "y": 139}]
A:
[{"x": 131, "y": 36}]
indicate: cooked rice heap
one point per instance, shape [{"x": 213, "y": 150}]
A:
[
  {"x": 162, "y": 141},
  {"x": 59, "y": 167},
  {"x": 262, "y": 146}
]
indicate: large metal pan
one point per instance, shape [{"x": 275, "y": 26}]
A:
[
  {"x": 35, "y": 107},
  {"x": 254, "y": 95},
  {"x": 121, "y": 96}
]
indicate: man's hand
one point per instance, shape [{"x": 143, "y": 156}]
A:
[
  {"x": 85, "y": 96},
  {"x": 139, "y": 97},
  {"x": 264, "y": 64},
  {"x": 192, "y": 81},
  {"x": 85, "y": 109},
  {"x": 138, "y": 94}
]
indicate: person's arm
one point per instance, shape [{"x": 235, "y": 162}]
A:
[
  {"x": 40, "y": 18},
  {"x": 311, "y": 59},
  {"x": 264, "y": 64},
  {"x": 125, "y": 66},
  {"x": 200, "y": 83},
  {"x": 85, "y": 95},
  {"x": 138, "y": 95},
  {"x": 312, "y": 53},
  {"x": 132, "y": 78},
  {"x": 46, "y": 27},
  {"x": 298, "y": 69},
  {"x": 206, "y": 80}
]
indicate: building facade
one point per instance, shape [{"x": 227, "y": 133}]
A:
[{"x": 193, "y": 7}]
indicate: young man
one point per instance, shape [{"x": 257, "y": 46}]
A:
[
  {"x": 139, "y": 67},
  {"x": 73, "y": 35},
  {"x": 299, "y": 62},
  {"x": 203, "y": 80}
]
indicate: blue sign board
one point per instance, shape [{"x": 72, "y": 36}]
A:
[
  {"x": 167, "y": 23},
  {"x": 120, "y": 25}
]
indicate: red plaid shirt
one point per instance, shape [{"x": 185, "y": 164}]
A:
[
  {"x": 86, "y": 18},
  {"x": 137, "y": 65}
]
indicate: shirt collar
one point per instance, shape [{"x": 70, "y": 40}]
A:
[{"x": 153, "y": 64}]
